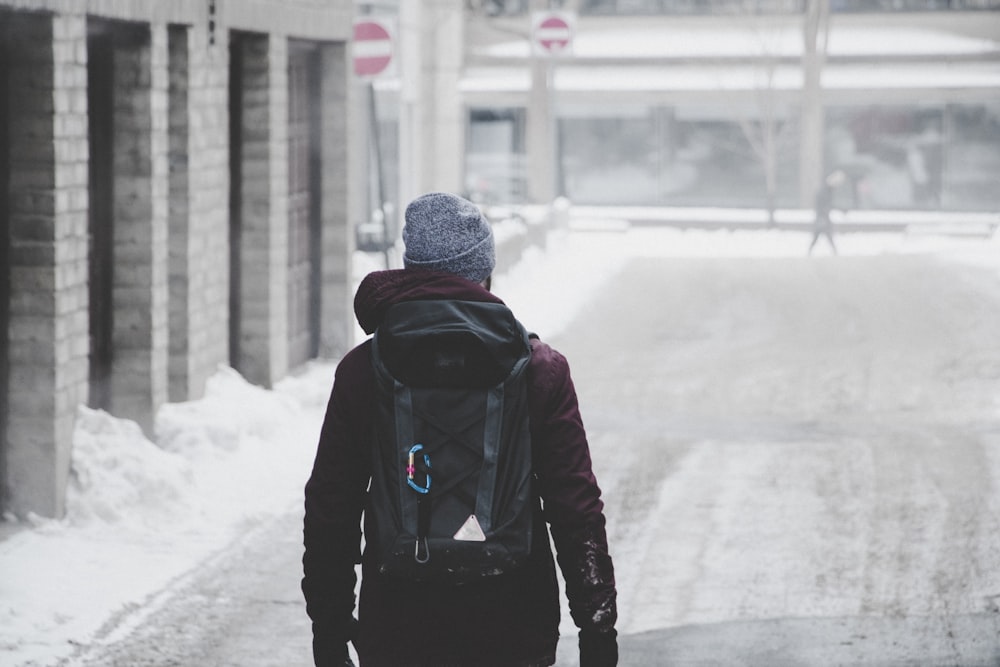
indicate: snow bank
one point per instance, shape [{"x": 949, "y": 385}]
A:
[
  {"x": 140, "y": 515},
  {"x": 118, "y": 476}
]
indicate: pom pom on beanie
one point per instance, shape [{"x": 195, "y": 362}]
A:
[{"x": 447, "y": 233}]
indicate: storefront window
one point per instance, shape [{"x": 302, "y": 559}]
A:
[
  {"x": 971, "y": 169},
  {"x": 678, "y": 157},
  {"x": 927, "y": 157},
  {"x": 612, "y": 160},
  {"x": 495, "y": 171}
]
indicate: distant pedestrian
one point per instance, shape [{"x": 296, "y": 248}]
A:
[
  {"x": 822, "y": 225},
  {"x": 510, "y": 619},
  {"x": 919, "y": 180}
]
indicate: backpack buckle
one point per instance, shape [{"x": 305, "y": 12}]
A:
[
  {"x": 421, "y": 555},
  {"x": 411, "y": 470}
]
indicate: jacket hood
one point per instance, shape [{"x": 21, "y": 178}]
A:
[{"x": 381, "y": 289}]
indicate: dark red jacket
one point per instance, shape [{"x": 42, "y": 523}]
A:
[{"x": 510, "y": 620}]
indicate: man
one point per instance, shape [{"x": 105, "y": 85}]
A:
[
  {"x": 822, "y": 225},
  {"x": 508, "y": 620}
]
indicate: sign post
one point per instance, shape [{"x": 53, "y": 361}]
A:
[{"x": 551, "y": 38}]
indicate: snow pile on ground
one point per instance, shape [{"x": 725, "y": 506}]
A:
[
  {"x": 142, "y": 514},
  {"x": 119, "y": 476},
  {"x": 203, "y": 446}
]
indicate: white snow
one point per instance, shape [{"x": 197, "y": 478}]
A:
[{"x": 142, "y": 514}]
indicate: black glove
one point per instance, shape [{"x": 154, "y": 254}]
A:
[
  {"x": 331, "y": 655},
  {"x": 326, "y": 654},
  {"x": 598, "y": 649},
  {"x": 331, "y": 652}
]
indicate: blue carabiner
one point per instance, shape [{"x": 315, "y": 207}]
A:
[{"x": 411, "y": 470}]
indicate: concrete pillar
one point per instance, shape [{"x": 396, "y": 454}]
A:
[
  {"x": 432, "y": 116},
  {"x": 540, "y": 143},
  {"x": 411, "y": 106},
  {"x": 540, "y": 131},
  {"x": 815, "y": 32},
  {"x": 48, "y": 200},
  {"x": 811, "y": 133},
  {"x": 445, "y": 40}
]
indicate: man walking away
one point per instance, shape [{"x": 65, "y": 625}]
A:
[{"x": 421, "y": 604}]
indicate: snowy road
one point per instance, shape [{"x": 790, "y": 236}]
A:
[{"x": 800, "y": 459}]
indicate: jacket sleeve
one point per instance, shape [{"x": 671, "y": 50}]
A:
[
  {"x": 570, "y": 494},
  {"x": 334, "y": 501}
]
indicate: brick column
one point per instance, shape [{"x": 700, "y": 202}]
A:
[
  {"x": 199, "y": 191},
  {"x": 336, "y": 310},
  {"x": 182, "y": 285},
  {"x": 208, "y": 164},
  {"x": 48, "y": 255},
  {"x": 139, "y": 367},
  {"x": 264, "y": 207}
]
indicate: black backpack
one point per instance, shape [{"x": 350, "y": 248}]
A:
[{"x": 450, "y": 498}]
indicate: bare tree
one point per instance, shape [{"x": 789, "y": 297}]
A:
[
  {"x": 767, "y": 134},
  {"x": 769, "y": 123},
  {"x": 770, "y": 130}
]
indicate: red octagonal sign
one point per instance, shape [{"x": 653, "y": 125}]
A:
[{"x": 372, "y": 48}]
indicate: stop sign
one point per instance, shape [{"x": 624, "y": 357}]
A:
[
  {"x": 372, "y": 48},
  {"x": 552, "y": 32}
]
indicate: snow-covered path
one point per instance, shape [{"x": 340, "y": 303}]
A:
[
  {"x": 784, "y": 443},
  {"x": 796, "y": 438}
]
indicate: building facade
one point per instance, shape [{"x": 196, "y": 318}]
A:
[
  {"x": 734, "y": 104},
  {"x": 174, "y": 197}
]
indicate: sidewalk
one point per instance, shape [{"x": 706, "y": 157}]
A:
[{"x": 242, "y": 607}]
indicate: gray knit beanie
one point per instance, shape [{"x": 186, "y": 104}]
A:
[{"x": 448, "y": 233}]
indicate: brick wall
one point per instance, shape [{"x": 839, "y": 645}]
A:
[
  {"x": 169, "y": 221},
  {"x": 48, "y": 255}
]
